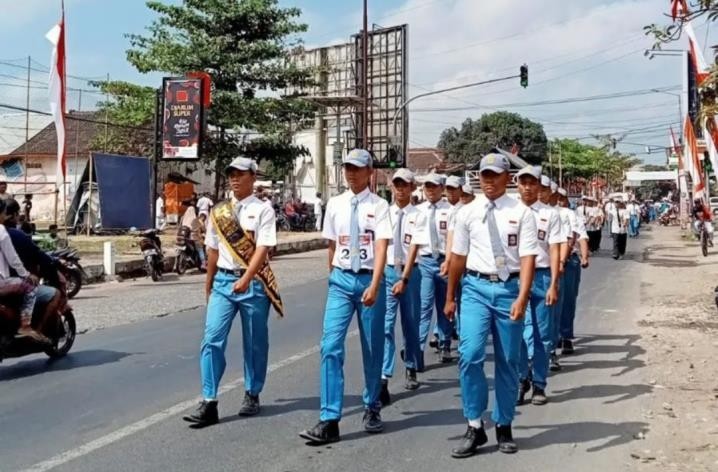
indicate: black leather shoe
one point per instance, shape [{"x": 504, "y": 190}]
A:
[
  {"x": 473, "y": 438},
  {"x": 455, "y": 335},
  {"x": 250, "y": 405},
  {"x": 505, "y": 439},
  {"x": 372, "y": 422},
  {"x": 538, "y": 397},
  {"x": 411, "y": 382},
  {"x": 205, "y": 415},
  {"x": 324, "y": 432},
  {"x": 401, "y": 355},
  {"x": 555, "y": 366},
  {"x": 567, "y": 347},
  {"x": 445, "y": 356},
  {"x": 559, "y": 344},
  {"x": 524, "y": 388},
  {"x": 384, "y": 396}
]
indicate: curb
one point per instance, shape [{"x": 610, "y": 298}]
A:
[{"x": 135, "y": 267}]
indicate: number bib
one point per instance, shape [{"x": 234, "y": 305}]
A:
[{"x": 366, "y": 248}]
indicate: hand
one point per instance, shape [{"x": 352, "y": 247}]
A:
[
  {"x": 450, "y": 309},
  {"x": 444, "y": 269},
  {"x": 584, "y": 262},
  {"x": 551, "y": 295},
  {"x": 561, "y": 267},
  {"x": 33, "y": 279},
  {"x": 398, "y": 288},
  {"x": 369, "y": 296},
  {"x": 518, "y": 309},
  {"x": 242, "y": 285}
]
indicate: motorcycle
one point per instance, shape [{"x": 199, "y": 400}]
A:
[
  {"x": 61, "y": 333},
  {"x": 186, "y": 253},
  {"x": 69, "y": 265},
  {"x": 151, "y": 248}
]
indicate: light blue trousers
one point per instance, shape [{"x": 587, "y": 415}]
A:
[
  {"x": 485, "y": 310},
  {"x": 343, "y": 300},
  {"x": 557, "y": 310},
  {"x": 223, "y": 306},
  {"x": 538, "y": 332},
  {"x": 408, "y": 304},
  {"x": 572, "y": 281},
  {"x": 433, "y": 296}
]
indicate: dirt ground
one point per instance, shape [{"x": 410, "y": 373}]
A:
[{"x": 679, "y": 332}]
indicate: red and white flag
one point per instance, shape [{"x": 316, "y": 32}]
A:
[
  {"x": 57, "y": 91},
  {"x": 678, "y": 8},
  {"x": 692, "y": 162}
]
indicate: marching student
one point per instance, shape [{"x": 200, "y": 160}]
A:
[
  {"x": 403, "y": 282},
  {"x": 539, "y": 322},
  {"x": 494, "y": 249},
  {"x": 358, "y": 228}
]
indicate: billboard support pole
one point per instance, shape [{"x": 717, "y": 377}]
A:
[{"x": 156, "y": 155}]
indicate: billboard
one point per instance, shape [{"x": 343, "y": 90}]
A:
[{"x": 182, "y": 118}]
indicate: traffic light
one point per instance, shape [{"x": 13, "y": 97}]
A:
[{"x": 524, "y": 76}]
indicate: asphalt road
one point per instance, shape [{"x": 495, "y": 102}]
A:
[{"x": 115, "y": 403}]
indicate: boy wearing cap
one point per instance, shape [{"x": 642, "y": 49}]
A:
[
  {"x": 239, "y": 234},
  {"x": 572, "y": 277},
  {"x": 495, "y": 242},
  {"x": 433, "y": 267},
  {"x": 358, "y": 228},
  {"x": 403, "y": 282},
  {"x": 538, "y": 328},
  {"x": 567, "y": 233},
  {"x": 467, "y": 193}
]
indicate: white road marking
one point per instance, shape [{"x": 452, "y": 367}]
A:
[{"x": 152, "y": 420}]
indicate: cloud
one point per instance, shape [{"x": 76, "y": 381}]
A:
[{"x": 572, "y": 48}]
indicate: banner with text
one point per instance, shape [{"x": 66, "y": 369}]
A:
[{"x": 183, "y": 119}]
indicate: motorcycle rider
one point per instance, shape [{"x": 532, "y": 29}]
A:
[
  {"x": 48, "y": 298},
  {"x": 702, "y": 214}
]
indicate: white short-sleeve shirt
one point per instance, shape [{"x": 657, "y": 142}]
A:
[
  {"x": 548, "y": 231},
  {"x": 442, "y": 217},
  {"x": 374, "y": 224},
  {"x": 619, "y": 220},
  {"x": 578, "y": 229},
  {"x": 452, "y": 216},
  {"x": 413, "y": 231},
  {"x": 517, "y": 229},
  {"x": 204, "y": 204},
  {"x": 255, "y": 217}
]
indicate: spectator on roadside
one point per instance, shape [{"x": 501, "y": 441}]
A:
[
  {"x": 318, "y": 211},
  {"x": 196, "y": 231},
  {"x": 4, "y": 195},
  {"x": 204, "y": 204},
  {"x": 27, "y": 206},
  {"x": 160, "y": 221}
]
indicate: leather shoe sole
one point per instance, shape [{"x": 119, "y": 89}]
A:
[
  {"x": 317, "y": 441},
  {"x": 508, "y": 447}
]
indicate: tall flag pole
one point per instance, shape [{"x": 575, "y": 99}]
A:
[{"x": 57, "y": 90}]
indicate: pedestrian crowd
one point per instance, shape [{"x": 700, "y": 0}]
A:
[{"x": 453, "y": 271}]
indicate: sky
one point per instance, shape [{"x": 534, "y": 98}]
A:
[{"x": 580, "y": 48}]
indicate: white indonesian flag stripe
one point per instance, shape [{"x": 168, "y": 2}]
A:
[{"x": 57, "y": 92}]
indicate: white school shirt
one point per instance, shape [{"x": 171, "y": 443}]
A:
[
  {"x": 517, "y": 229},
  {"x": 442, "y": 216},
  {"x": 8, "y": 256},
  {"x": 374, "y": 224},
  {"x": 548, "y": 231},
  {"x": 255, "y": 217},
  {"x": 204, "y": 204},
  {"x": 564, "y": 215},
  {"x": 413, "y": 231},
  {"x": 633, "y": 209},
  {"x": 619, "y": 221},
  {"x": 578, "y": 230},
  {"x": 452, "y": 215}
]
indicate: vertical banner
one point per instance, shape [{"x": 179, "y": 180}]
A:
[{"x": 182, "y": 119}]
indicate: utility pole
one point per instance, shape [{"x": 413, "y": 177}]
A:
[
  {"x": 365, "y": 78},
  {"x": 27, "y": 123}
]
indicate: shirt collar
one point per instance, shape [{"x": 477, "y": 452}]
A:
[
  {"x": 242, "y": 202},
  {"x": 361, "y": 195},
  {"x": 500, "y": 202}
]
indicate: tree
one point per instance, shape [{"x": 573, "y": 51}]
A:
[
  {"x": 244, "y": 46},
  {"x": 584, "y": 162},
  {"x": 503, "y": 129},
  {"x": 130, "y": 109}
]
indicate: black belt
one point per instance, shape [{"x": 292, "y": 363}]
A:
[
  {"x": 429, "y": 256},
  {"x": 236, "y": 273},
  {"x": 542, "y": 269},
  {"x": 413, "y": 265},
  {"x": 361, "y": 271},
  {"x": 491, "y": 277}
]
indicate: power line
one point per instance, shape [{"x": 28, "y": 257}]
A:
[{"x": 75, "y": 118}]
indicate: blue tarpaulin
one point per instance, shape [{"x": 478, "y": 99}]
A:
[{"x": 124, "y": 184}]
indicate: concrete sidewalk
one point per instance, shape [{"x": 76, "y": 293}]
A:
[{"x": 128, "y": 264}]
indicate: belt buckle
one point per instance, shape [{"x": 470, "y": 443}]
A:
[
  {"x": 493, "y": 278},
  {"x": 238, "y": 273}
]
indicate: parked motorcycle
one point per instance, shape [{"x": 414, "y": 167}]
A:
[
  {"x": 151, "y": 248},
  {"x": 306, "y": 223},
  {"x": 69, "y": 265},
  {"x": 61, "y": 333},
  {"x": 186, "y": 253}
]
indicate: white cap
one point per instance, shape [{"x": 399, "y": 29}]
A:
[
  {"x": 495, "y": 163},
  {"x": 545, "y": 181},
  {"x": 533, "y": 171},
  {"x": 404, "y": 174},
  {"x": 434, "y": 178},
  {"x": 467, "y": 188},
  {"x": 454, "y": 181},
  {"x": 242, "y": 163},
  {"x": 554, "y": 187},
  {"x": 563, "y": 192},
  {"x": 358, "y": 158}
]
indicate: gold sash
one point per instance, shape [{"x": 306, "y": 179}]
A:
[{"x": 241, "y": 245}]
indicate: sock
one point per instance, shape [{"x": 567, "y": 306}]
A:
[{"x": 476, "y": 423}]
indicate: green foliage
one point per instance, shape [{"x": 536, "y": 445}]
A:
[
  {"x": 583, "y": 161},
  {"x": 502, "y": 129},
  {"x": 243, "y": 45}
]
